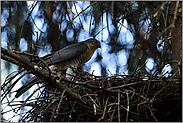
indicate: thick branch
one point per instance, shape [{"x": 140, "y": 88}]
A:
[{"x": 44, "y": 76}]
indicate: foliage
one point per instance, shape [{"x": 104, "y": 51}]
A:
[{"x": 146, "y": 92}]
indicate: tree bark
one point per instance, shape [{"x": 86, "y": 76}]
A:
[{"x": 177, "y": 43}]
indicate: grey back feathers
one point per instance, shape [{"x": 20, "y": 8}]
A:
[{"x": 69, "y": 52}]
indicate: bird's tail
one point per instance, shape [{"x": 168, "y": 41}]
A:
[{"x": 34, "y": 80}]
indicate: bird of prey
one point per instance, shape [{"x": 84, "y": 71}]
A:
[{"x": 66, "y": 59}]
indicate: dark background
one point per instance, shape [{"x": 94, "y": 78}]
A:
[{"x": 127, "y": 31}]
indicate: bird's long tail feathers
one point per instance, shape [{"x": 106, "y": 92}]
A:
[{"x": 34, "y": 80}]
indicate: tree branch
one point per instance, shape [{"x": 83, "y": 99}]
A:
[{"x": 44, "y": 76}]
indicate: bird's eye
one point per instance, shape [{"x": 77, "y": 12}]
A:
[{"x": 94, "y": 43}]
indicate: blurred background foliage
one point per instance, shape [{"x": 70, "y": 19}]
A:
[
  {"x": 62, "y": 23},
  {"x": 127, "y": 31}
]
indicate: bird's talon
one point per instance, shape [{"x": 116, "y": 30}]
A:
[{"x": 36, "y": 67}]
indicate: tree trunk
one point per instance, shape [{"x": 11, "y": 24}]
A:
[{"x": 177, "y": 43}]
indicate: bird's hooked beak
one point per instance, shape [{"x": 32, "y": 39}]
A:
[{"x": 99, "y": 45}]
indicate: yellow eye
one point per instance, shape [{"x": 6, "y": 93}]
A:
[{"x": 94, "y": 43}]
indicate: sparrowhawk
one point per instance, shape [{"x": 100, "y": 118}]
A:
[{"x": 71, "y": 56}]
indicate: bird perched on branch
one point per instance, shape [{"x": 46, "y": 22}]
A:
[{"x": 66, "y": 59}]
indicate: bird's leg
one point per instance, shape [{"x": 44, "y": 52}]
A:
[{"x": 70, "y": 73}]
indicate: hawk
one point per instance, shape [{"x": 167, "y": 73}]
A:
[{"x": 66, "y": 59}]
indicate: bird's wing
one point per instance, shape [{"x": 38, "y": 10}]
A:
[{"x": 67, "y": 53}]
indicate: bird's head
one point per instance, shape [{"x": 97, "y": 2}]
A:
[{"x": 93, "y": 44}]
